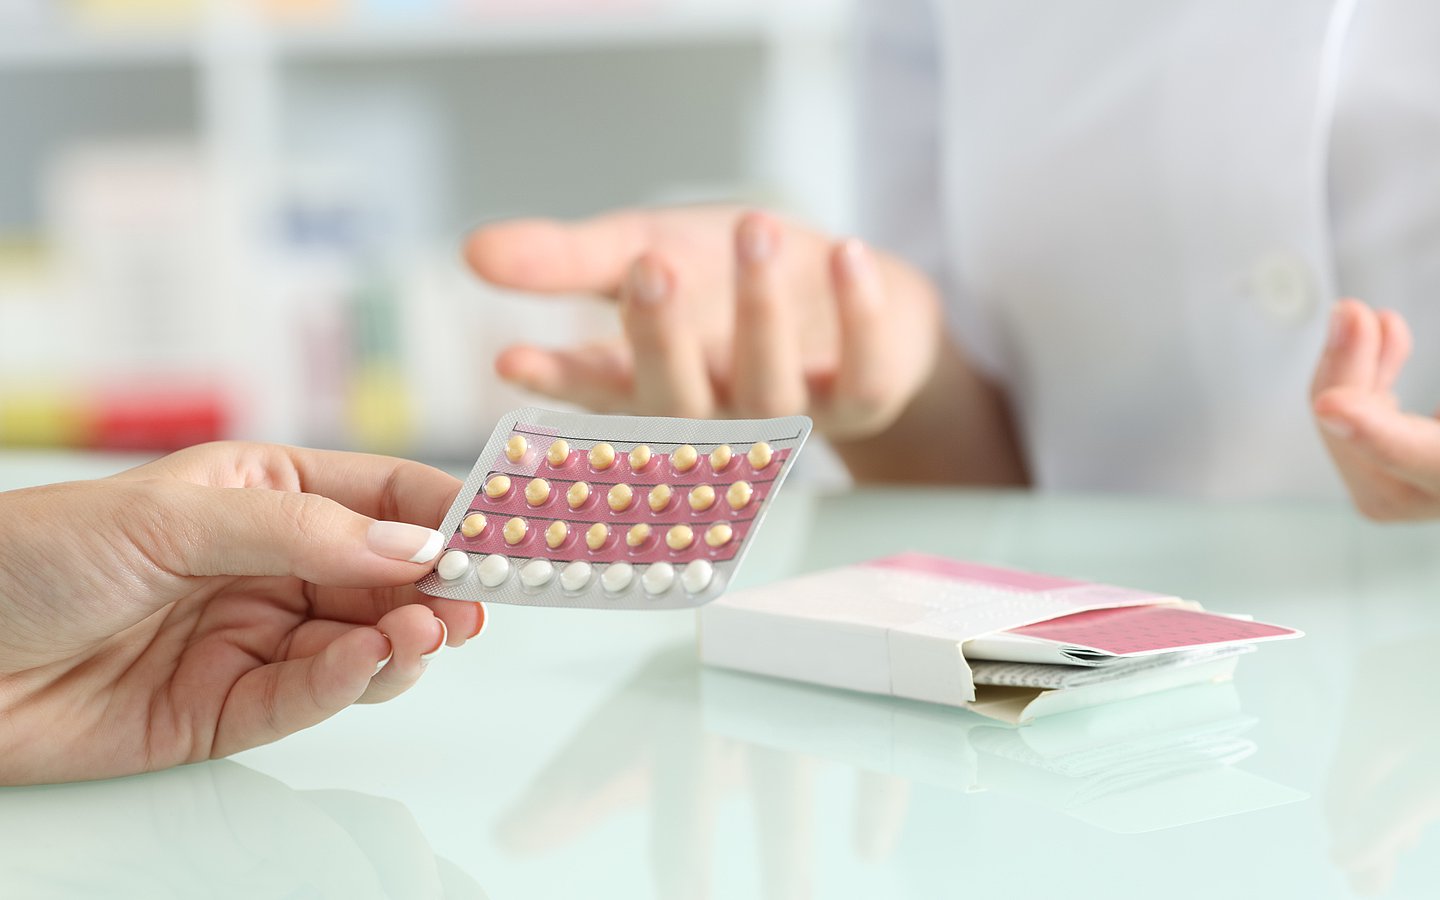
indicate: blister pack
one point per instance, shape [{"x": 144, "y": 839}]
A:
[{"x": 623, "y": 512}]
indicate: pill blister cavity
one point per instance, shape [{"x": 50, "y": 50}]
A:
[
  {"x": 684, "y": 458},
  {"x": 559, "y": 452},
  {"x": 720, "y": 457},
  {"x": 537, "y": 492},
  {"x": 454, "y": 564},
  {"x": 577, "y": 495},
  {"x": 515, "y": 448},
  {"x": 719, "y": 534},
  {"x": 639, "y": 458},
  {"x": 637, "y": 535},
  {"x": 515, "y": 530},
  {"x": 620, "y": 497},
  {"x": 739, "y": 494},
  {"x": 697, "y": 576},
  {"x": 702, "y": 497},
  {"x": 760, "y": 455},
  {"x": 596, "y": 534},
  {"x": 556, "y": 534},
  {"x": 658, "y": 578},
  {"x": 537, "y": 573},
  {"x": 602, "y": 457},
  {"x": 617, "y": 577},
  {"x": 473, "y": 525},
  {"x": 493, "y": 569},
  {"x": 679, "y": 537},
  {"x": 659, "y": 497},
  {"x": 575, "y": 576},
  {"x": 497, "y": 487}
]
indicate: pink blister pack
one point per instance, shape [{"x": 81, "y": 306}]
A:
[{"x": 623, "y": 512}]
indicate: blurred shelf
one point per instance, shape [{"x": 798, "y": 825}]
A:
[{"x": 378, "y": 38}]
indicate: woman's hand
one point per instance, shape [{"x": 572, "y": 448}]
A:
[
  {"x": 1390, "y": 459},
  {"x": 725, "y": 314},
  {"x": 742, "y": 314},
  {"x": 218, "y": 599}
]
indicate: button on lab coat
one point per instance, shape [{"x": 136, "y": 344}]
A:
[{"x": 1139, "y": 215}]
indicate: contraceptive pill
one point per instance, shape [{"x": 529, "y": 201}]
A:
[
  {"x": 537, "y": 492},
  {"x": 515, "y": 447},
  {"x": 626, "y": 512}
]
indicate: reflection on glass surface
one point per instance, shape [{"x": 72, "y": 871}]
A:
[
  {"x": 216, "y": 830},
  {"x": 679, "y": 739},
  {"x": 1384, "y": 785}
]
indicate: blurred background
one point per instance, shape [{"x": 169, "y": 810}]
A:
[{"x": 242, "y": 218}]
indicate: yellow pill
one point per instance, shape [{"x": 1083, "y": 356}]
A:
[
  {"x": 515, "y": 530},
  {"x": 515, "y": 448},
  {"x": 702, "y": 497},
  {"x": 620, "y": 498},
  {"x": 558, "y": 453},
  {"x": 659, "y": 497},
  {"x": 739, "y": 494},
  {"x": 577, "y": 495},
  {"x": 602, "y": 457},
  {"x": 556, "y": 534},
  {"x": 596, "y": 534},
  {"x": 760, "y": 455},
  {"x": 639, "y": 458},
  {"x": 719, "y": 534},
  {"x": 473, "y": 525},
  {"x": 684, "y": 458},
  {"x": 537, "y": 491},
  {"x": 680, "y": 537},
  {"x": 637, "y": 535},
  {"x": 720, "y": 457},
  {"x": 497, "y": 487}
]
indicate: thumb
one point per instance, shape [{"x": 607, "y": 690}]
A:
[{"x": 205, "y": 531}]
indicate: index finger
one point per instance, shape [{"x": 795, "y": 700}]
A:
[{"x": 549, "y": 256}]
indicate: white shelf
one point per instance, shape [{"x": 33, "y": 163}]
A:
[{"x": 369, "y": 39}]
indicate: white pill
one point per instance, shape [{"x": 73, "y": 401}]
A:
[
  {"x": 617, "y": 577},
  {"x": 658, "y": 578},
  {"x": 696, "y": 576},
  {"x": 536, "y": 572},
  {"x": 453, "y": 565},
  {"x": 575, "y": 576},
  {"x": 493, "y": 569}
]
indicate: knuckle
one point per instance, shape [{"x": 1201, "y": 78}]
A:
[{"x": 306, "y": 513}]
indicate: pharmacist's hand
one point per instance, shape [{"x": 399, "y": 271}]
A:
[
  {"x": 1390, "y": 459},
  {"x": 220, "y": 598},
  {"x": 725, "y": 313}
]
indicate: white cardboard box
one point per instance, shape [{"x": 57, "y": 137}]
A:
[{"x": 898, "y": 626}]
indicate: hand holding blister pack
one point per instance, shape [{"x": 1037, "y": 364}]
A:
[{"x": 622, "y": 512}]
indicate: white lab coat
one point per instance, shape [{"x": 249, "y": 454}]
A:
[{"x": 1140, "y": 213}]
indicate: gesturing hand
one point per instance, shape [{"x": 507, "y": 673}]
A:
[
  {"x": 217, "y": 599},
  {"x": 725, "y": 314},
  {"x": 1390, "y": 459}
]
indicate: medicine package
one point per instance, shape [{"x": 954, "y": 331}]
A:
[{"x": 622, "y": 512}]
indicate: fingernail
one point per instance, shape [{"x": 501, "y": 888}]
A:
[
  {"x": 386, "y": 661},
  {"x": 647, "y": 282},
  {"x": 401, "y": 540},
  {"x": 1337, "y": 427},
  {"x": 481, "y": 618},
  {"x": 1332, "y": 340},
  {"x": 856, "y": 261},
  {"x": 444, "y": 633},
  {"x": 755, "y": 243}
]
